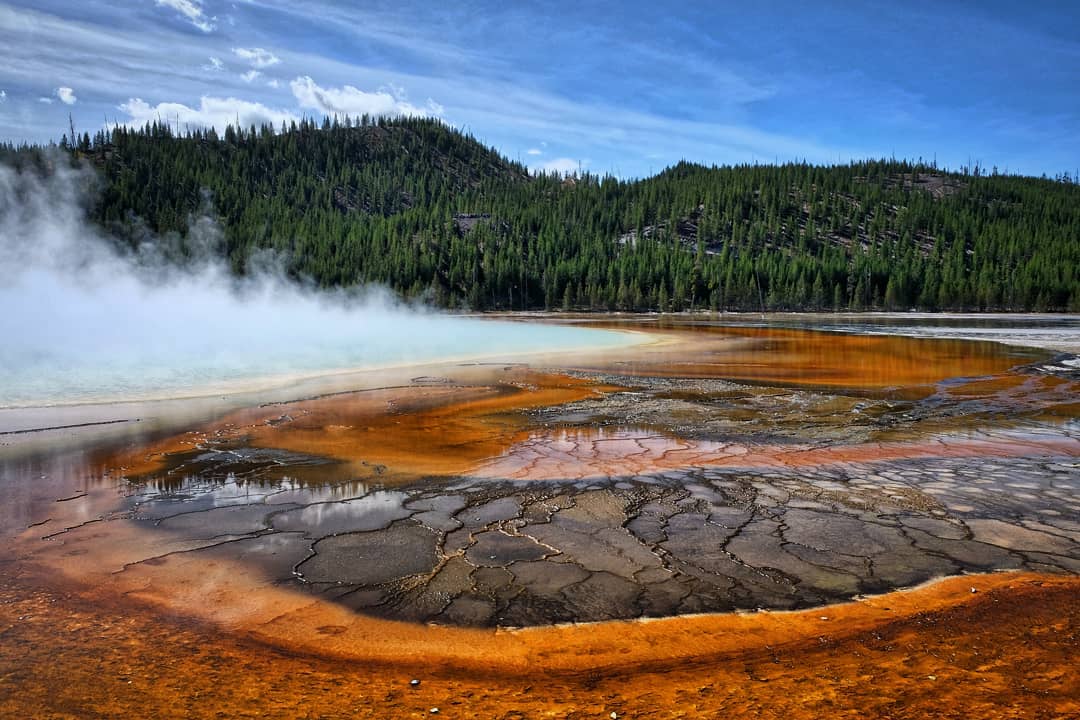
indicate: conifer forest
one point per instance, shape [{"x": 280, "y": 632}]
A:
[{"x": 419, "y": 207}]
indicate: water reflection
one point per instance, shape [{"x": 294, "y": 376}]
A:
[
  {"x": 371, "y": 512},
  {"x": 39, "y": 488}
]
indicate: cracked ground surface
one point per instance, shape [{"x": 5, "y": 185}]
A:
[
  {"x": 642, "y": 496},
  {"x": 469, "y": 552}
]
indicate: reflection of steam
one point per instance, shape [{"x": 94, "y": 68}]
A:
[
  {"x": 83, "y": 320},
  {"x": 371, "y": 512}
]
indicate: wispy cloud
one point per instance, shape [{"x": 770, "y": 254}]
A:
[
  {"x": 3, "y": 96},
  {"x": 257, "y": 57},
  {"x": 192, "y": 11},
  {"x": 396, "y": 26},
  {"x": 211, "y": 112},
  {"x": 624, "y": 135},
  {"x": 348, "y": 100},
  {"x": 45, "y": 100},
  {"x": 250, "y": 75},
  {"x": 699, "y": 83},
  {"x": 66, "y": 95}
]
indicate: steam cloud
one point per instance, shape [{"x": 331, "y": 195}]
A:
[{"x": 82, "y": 321}]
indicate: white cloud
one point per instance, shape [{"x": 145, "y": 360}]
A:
[
  {"x": 192, "y": 11},
  {"x": 250, "y": 75},
  {"x": 534, "y": 151},
  {"x": 45, "y": 100},
  {"x": 562, "y": 166},
  {"x": 66, "y": 95},
  {"x": 215, "y": 64},
  {"x": 3, "y": 96},
  {"x": 257, "y": 57},
  {"x": 160, "y": 53},
  {"x": 212, "y": 112},
  {"x": 348, "y": 100},
  {"x": 273, "y": 83}
]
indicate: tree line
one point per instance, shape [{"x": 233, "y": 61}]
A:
[{"x": 428, "y": 211}]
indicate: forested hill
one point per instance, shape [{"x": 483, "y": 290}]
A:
[{"x": 428, "y": 211}]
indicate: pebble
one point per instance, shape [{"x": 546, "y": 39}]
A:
[
  {"x": 434, "y": 711},
  {"x": 614, "y": 715},
  {"x": 414, "y": 682},
  {"x": 974, "y": 590}
]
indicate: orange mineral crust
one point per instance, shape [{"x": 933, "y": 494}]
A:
[
  {"x": 443, "y": 432},
  {"x": 464, "y": 416},
  {"x": 412, "y": 430},
  {"x": 978, "y": 646},
  {"x": 819, "y": 359},
  {"x": 482, "y": 431}
]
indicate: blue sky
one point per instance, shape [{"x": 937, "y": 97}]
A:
[{"x": 611, "y": 87}]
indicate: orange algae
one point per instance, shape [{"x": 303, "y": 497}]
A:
[
  {"x": 941, "y": 650},
  {"x": 817, "y": 359}
]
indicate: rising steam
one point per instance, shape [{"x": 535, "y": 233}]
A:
[{"x": 82, "y": 321}]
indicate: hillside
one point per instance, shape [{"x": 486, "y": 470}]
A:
[{"x": 428, "y": 211}]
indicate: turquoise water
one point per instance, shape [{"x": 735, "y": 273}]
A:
[
  {"x": 160, "y": 370},
  {"x": 133, "y": 344}
]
